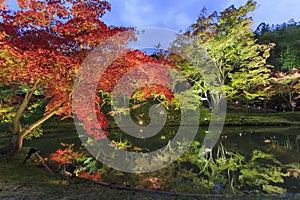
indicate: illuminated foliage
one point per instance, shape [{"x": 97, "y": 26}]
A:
[
  {"x": 65, "y": 156},
  {"x": 230, "y": 43},
  {"x": 95, "y": 177},
  {"x": 43, "y": 45},
  {"x": 287, "y": 85}
]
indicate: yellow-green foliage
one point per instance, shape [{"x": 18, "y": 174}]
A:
[{"x": 234, "y": 173}]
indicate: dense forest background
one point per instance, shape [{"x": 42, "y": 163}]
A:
[{"x": 286, "y": 54}]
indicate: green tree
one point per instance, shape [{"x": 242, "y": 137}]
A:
[
  {"x": 231, "y": 44},
  {"x": 286, "y": 55},
  {"x": 287, "y": 85}
]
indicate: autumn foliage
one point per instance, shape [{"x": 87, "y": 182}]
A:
[
  {"x": 69, "y": 156},
  {"x": 65, "y": 156},
  {"x": 155, "y": 72},
  {"x": 95, "y": 177},
  {"x": 44, "y": 43}
]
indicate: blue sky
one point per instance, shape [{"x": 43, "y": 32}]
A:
[{"x": 180, "y": 14}]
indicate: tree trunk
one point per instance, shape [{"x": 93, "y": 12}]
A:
[
  {"x": 10, "y": 150},
  {"x": 247, "y": 106},
  {"x": 265, "y": 106},
  {"x": 16, "y": 142},
  {"x": 16, "y": 122},
  {"x": 291, "y": 103}
]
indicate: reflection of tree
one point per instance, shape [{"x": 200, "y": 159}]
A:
[{"x": 296, "y": 140}]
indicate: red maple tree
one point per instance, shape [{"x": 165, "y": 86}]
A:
[
  {"x": 155, "y": 72},
  {"x": 42, "y": 46}
]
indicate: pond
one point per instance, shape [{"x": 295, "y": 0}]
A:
[{"x": 281, "y": 142}]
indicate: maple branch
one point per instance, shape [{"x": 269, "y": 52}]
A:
[
  {"x": 16, "y": 122},
  {"x": 34, "y": 125}
]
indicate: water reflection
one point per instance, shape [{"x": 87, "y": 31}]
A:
[{"x": 282, "y": 142}]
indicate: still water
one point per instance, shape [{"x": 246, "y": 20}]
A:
[{"x": 282, "y": 142}]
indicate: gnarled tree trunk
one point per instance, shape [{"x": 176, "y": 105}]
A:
[
  {"x": 16, "y": 142},
  {"x": 19, "y": 133}
]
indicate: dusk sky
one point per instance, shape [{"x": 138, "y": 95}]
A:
[{"x": 180, "y": 14}]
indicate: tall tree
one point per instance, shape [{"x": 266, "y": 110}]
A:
[
  {"x": 230, "y": 43},
  {"x": 42, "y": 46}
]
